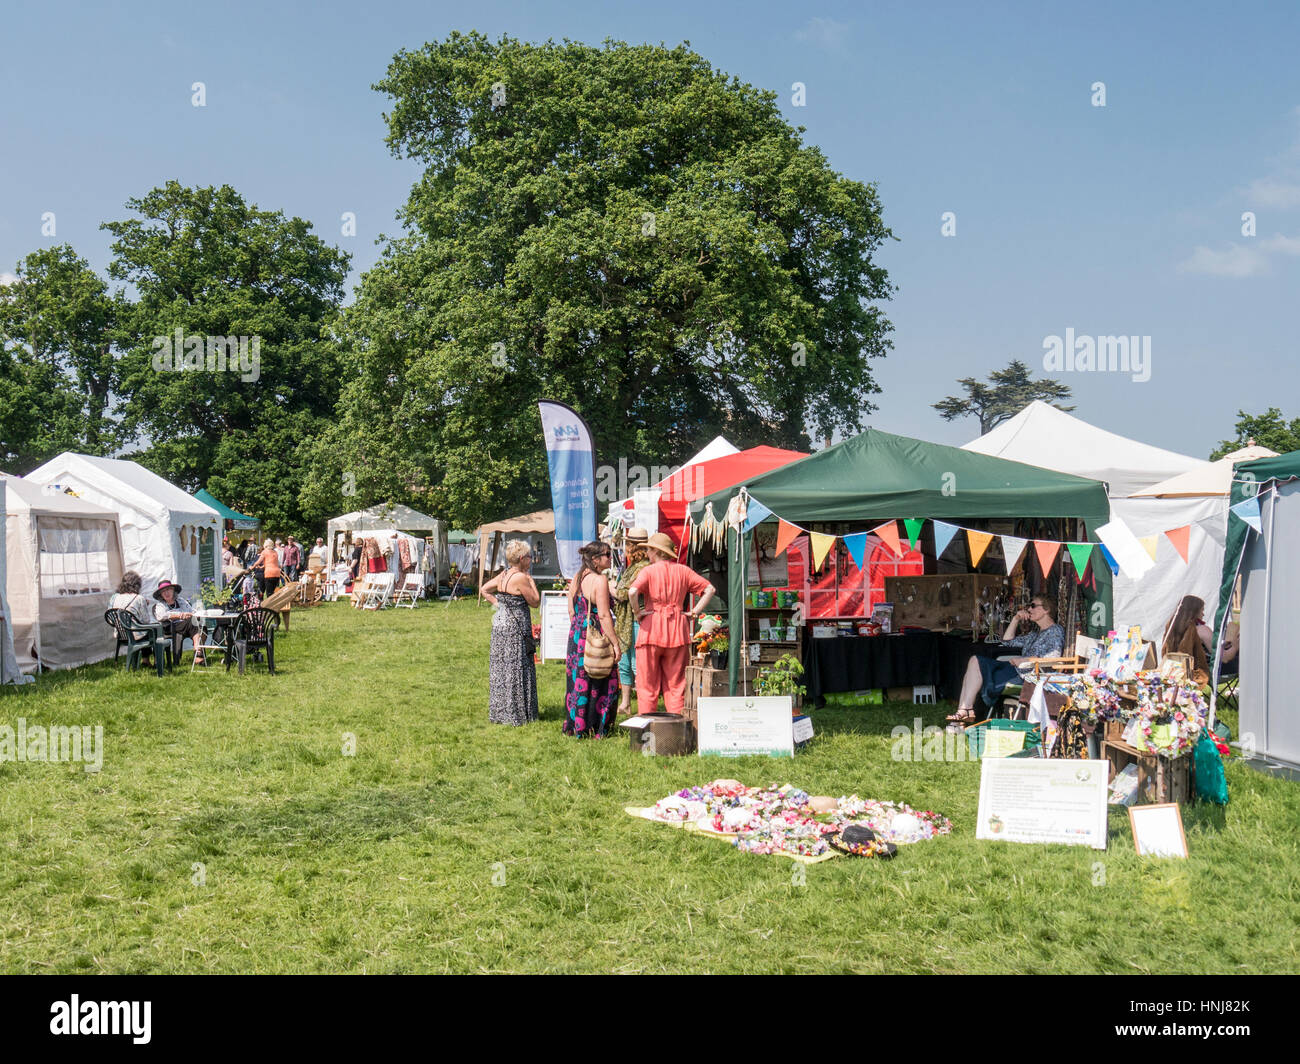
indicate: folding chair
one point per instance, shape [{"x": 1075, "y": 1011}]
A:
[
  {"x": 411, "y": 591},
  {"x": 377, "y": 592}
]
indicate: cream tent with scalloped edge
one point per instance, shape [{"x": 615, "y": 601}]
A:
[
  {"x": 167, "y": 534},
  {"x": 63, "y": 561}
]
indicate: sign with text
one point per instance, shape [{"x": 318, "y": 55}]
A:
[
  {"x": 555, "y": 625},
  {"x": 739, "y": 727},
  {"x": 1037, "y": 800}
]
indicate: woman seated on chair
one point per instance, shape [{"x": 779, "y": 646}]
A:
[
  {"x": 1187, "y": 633},
  {"x": 986, "y": 677},
  {"x": 128, "y": 598},
  {"x": 176, "y": 615}
]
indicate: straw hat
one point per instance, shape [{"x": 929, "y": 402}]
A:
[
  {"x": 662, "y": 544},
  {"x": 637, "y": 535}
]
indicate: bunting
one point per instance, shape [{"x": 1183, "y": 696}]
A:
[
  {"x": 1047, "y": 553},
  {"x": 1079, "y": 554},
  {"x": 1247, "y": 510},
  {"x": 1012, "y": 548},
  {"x": 889, "y": 533},
  {"x": 756, "y": 513},
  {"x": 1179, "y": 538},
  {"x": 1110, "y": 559},
  {"x": 1149, "y": 544},
  {"x": 821, "y": 545},
  {"x": 943, "y": 533},
  {"x": 978, "y": 542},
  {"x": 913, "y": 526},
  {"x": 857, "y": 545},
  {"x": 785, "y": 535}
]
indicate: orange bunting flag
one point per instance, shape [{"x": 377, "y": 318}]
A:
[
  {"x": 889, "y": 533},
  {"x": 978, "y": 542},
  {"x": 785, "y": 535},
  {"x": 1047, "y": 553},
  {"x": 1149, "y": 545},
  {"x": 821, "y": 543},
  {"x": 1179, "y": 538}
]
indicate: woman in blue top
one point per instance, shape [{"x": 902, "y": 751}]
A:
[{"x": 987, "y": 677}]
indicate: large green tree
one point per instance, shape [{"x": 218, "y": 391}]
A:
[
  {"x": 60, "y": 372},
  {"x": 620, "y": 227},
  {"x": 1007, "y": 392},
  {"x": 205, "y": 263},
  {"x": 1269, "y": 429}
]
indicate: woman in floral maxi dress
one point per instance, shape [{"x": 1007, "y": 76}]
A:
[
  {"x": 591, "y": 705},
  {"x": 512, "y": 676}
]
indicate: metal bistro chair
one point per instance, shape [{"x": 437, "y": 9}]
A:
[
  {"x": 137, "y": 638},
  {"x": 254, "y": 628}
]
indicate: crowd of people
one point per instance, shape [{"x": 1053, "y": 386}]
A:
[
  {"x": 629, "y": 628},
  {"x": 277, "y": 561}
]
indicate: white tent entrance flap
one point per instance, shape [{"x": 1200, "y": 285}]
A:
[{"x": 9, "y": 671}]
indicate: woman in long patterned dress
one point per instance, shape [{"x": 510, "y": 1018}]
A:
[
  {"x": 591, "y": 705},
  {"x": 512, "y": 676}
]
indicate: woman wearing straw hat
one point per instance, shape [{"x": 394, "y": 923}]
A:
[{"x": 663, "y": 644}]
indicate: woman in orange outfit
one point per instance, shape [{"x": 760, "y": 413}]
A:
[{"x": 663, "y": 646}]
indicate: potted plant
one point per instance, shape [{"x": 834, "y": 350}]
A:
[
  {"x": 718, "y": 647},
  {"x": 782, "y": 678}
]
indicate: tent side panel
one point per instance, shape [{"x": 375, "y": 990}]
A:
[{"x": 22, "y": 590}]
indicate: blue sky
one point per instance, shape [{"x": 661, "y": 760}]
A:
[{"x": 1123, "y": 219}]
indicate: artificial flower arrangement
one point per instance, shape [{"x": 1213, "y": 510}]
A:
[
  {"x": 1163, "y": 718},
  {"x": 712, "y": 634}
]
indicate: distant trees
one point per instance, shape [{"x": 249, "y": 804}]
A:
[{"x": 1007, "y": 392}]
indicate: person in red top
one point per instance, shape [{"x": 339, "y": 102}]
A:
[{"x": 663, "y": 646}]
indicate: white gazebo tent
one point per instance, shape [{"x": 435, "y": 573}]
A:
[
  {"x": 9, "y": 671},
  {"x": 63, "y": 561},
  {"x": 1040, "y": 435},
  {"x": 167, "y": 534},
  {"x": 1214, "y": 479},
  {"x": 382, "y": 521},
  {"x": 538, "y": 528}
]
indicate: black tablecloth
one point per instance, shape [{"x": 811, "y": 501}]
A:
[{"x": 913, "y": 659}]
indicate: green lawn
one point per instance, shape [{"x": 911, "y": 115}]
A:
[{"x": 449, "y": 845}]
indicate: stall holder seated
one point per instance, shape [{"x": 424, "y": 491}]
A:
[{"x": 987, "y": 678}]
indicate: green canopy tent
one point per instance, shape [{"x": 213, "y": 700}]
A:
[
  {"x": 877, "y": 476},
  {"x": 1267, "y": 490},
  {"x": 233, "y": 520}
]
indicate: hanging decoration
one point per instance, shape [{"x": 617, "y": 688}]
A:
[
  {"x": 913, "y": 526},
  {"x": 1179, "y": 537},
  {"x": 977, "y": 543},
  {"x": 785, "y": 535},
  {"x": 1149, "y": 544},
  {"x": 821, "y": 544},
  {"x": 1012, "y": 548},
  {"x": 943, "y": 533},
  {"x": 1079, "y": 554},
  {"x": 1248, "y": 511},
  {"x": 889, "y": 533},
  {"x": 857, "y": 546},
  {"x": 1047, "y": 552}
]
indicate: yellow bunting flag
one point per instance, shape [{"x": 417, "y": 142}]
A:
[
  {"x": 1179, "y": 538},
  {"x": 821, "y": 543},
  {"x": 1149, "y": 545},
  {"x": 785, "y": 535},
  {"x": 978, "y": 542},
  {"x": 889, "y": 533},
  {"x": 1047, "y": 552}
]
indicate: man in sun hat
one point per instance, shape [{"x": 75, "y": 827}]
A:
[
  {"x": 663, "y": 646},
  {"x": 176, "y": 615}
]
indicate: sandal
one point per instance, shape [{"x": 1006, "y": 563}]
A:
[{"x": 962, "y": 716}]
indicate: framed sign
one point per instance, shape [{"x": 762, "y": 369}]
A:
[
  {"x": 739, "y": 727},
  {"x": 1158, "y": 830},
  {"x": 555, "y": 625},
  {"x": 1038, "y": 800}
]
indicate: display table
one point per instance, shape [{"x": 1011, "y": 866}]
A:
[{"x": 911, "y": 659}]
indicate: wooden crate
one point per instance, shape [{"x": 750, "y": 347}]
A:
[
  {"x": 704, "y": 682},
  {"x": 926, "y": 610},
  {"x": 1159, "y": 779}
]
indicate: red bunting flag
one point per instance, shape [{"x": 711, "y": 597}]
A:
[
  {"x": 785, "y": 535},
  {"x": 1179, "y": 538},
  {"x": 889, "y": 533},
  {"x": 1047, "y": 552}
]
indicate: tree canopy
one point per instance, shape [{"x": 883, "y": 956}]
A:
[
  {"x": 1007, "y": 392},
  {"x": 622, "y": 228},
  {"x": 1269, "y": 429}
]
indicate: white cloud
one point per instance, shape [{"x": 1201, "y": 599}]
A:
[
  {"x": 1272, "y": 192},
  {"x": 7, "y": 279},
  {"x": 1283, "y": 245},
  {"x": 1236, "y": 261},
  {"x": 823, "y": 32}
]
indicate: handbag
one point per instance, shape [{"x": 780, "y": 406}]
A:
[{"x": 598, "y": 655}]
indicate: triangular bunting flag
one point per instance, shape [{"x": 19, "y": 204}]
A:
[
  {"x": 756, "y": 513},
  {"x": 913, "y": 526},
  {"x": 1248, "y": 511},
  {"x": 1149, "y": 544},
  {"x": 857, "y": 544},
  {"x": 1179, "y": 537},
  {"x": 821, "y": 544},
  {"x": 1079, "y": 554},
  {"x": 1047, "y": 552},
  {"x": 943, "y": 533},
  {"x": 889, "y": 533},
  {"x": 1012, "y": 548},
  {"x": 978, "y": 542},
  {"x": 1110, "y": 559},
  {"x": 785, "y": 535}
]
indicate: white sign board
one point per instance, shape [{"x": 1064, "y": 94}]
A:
[
  {"x": 555, "y": 625},
  {"x": 1038, "y": 800},
  {"x": 645, "y": 502},
  {"x": 739, "y": 727}
]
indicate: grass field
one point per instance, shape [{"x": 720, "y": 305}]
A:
[{"x": 446, "y": 844}]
